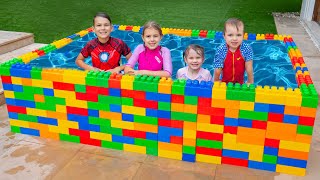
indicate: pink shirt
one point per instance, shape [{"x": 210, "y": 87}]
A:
[
  {"x": 154, "y": 60},
  {"x": 203, "y": 74}
]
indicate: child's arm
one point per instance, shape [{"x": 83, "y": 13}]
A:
[
  {"x": 121, "y": 67},
  {"x": 249, "y": 70},
  {"x": 80, "y": 62},
  {"x": 217, "y": 73},
  {"x": 152, "y": 73}
]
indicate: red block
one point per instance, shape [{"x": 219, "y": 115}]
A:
[
  {"x": 209, "y": 136},
  {"x": 230, "y": 129},
  {"x": 176, "y": 140},
  {"x": 272, "y": 143},
  {"x": 17, "y": 109},
  {"x": 63, "y": 86},
  {"x": 139, "y": 94},
  {"x": 129, "y": 28},
  {"x": 177, "y": 98},
  {"x": 204, "y": 110},
  {"x": 6, "y": 79},
  {"x": 134, "y": 133},
  {"x": 307, "y": 121},
  {"x": 208, "y": 151},
  {"x": 177, "y": 124},
  {"x": 217, "y": 111},
  {"x": 81, "y": 96},
  {"x": 80, "y": 133},
  {"x": 234, "y": 161},
  {"x": 217, "y": 120},
  {"x": 92, "y": 89},
  {"x": 78, "y": 111},
  {"x": 89, "y": 141},
  {"x": 115, "y": 81},
  {"x": 164, "y": 122},
  {"x": 127, "y": 93},
  {"x": 145, "y": 103},
  {"x": 202, "y": 101},
  {"x": 103, "y": 91},
  {"x": 275, "y": 117},
  {"x": 259, "y": 124}
]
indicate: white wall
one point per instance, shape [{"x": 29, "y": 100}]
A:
[{"x": 307, "y": 10}]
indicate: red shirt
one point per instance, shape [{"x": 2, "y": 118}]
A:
[
  {"x": 107, "y": 55},
  {"x": 233, "y": 68}
]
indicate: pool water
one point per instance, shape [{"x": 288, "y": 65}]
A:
[{"x": 271, "y": 63}]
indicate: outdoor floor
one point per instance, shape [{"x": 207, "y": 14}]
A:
[{"x": 28, "y": 157}]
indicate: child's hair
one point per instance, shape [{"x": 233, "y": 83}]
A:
[
  {"x": 102, "y": 14},
  {"x": 152, "y": 24},
  {"x": 234, "y": 22},
  {"x": 198, "y": 49}
]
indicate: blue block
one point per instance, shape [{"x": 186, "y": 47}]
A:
[
  {"x": 260, "y": 107},
  {"x": 93, "y": 113},
  {"x": 21, "y": 70},
  {"x": 48, "y": 92},
  {"x": 17, "y": 88},
  {"x": 274, "y": 108},
  {"x": 164, "y": 114},
  {"x": 271, "y": 151},
  {"x": 7, "y": 87},
  {"x": 128, "y": 117},
  {"x": 25, "y": 103},
  {"x": 192, "y": 88},
  {"x": 151, "y": 112},
  {"x": 164, "y": 133},
  {"x": 114, "y": 92},
  {"x": 262, "y": 166},
  {"x": 189, "y": 157},
  {"x": 151, "y": 136},
  {"x": 230, "y": 121},
  {"x": 33, "y": 132},
  {"x": 245, "y": 122},
  {"x": 115, "y": 108},
  {"x": 89, "y": 127},
  {"x": 235, "y": 154},
  {"x": 122, "y": 139},
  {"x": 10, "y": 101},
  {"x": 290, "y": 119},
  {"x": 13, "y": 115},
  {"x": 45, "y": 120},
  {"x": 115, "y": 26},
  {"x": 152, "y": 96},
  {"x": 164, "y": 97},
  {"x": 292, "y": 162},
  {"x": 78, "y": 118}
]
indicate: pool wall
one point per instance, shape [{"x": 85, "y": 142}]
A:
[{"x": 267, "y": 128}]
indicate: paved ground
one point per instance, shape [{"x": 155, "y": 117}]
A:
[{"x": 27, "y": 157}]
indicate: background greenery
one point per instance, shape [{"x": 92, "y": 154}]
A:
[{"x": 53, "y": 20}]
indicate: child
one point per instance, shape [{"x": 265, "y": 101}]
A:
[
  {"x": 194, "y": 58},
  {"x": 153, "y": 59},
  {"x": 105, "y": 50},
  {"x": 234, "y": 56}
]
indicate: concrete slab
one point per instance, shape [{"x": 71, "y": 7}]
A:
[
  {"x": 313, "y": 67},
  {"x": 10, "y": 41},
  {"x": 18, "y": 52}
]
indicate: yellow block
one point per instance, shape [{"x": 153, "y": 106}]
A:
[
  {"x": 76, "y": 103},
  {"x": 208, "y": 159},
  {"x": 170, "y": 154},
  {"x": 9, "y": 94},
  {"x": 296, "y": 146},
  {"x": 68, "y": 124},
  {"x": 16, "y": 80},
  {"x": 36, "y": 112},
  {"x": 134, "y": 148},
  {"x": 290, "y": 170},
  {"x": 61, "y": 108},
  {"x": 189, "y": 134},
  {"x": 245, "y": 105},
  {"x": 188, "y": 108},
  {"x": 58, "y": 129},
  {"x": 19, "y": 123},
  {"x": 100, "y": 136},
  {"x": 133, "y": 110},
  {"x": 122, "y": 124},
  {"x": 219, "y": 90},
  {"x": 177, "y": 107},
  {"x": 42, "y": 83},
  {"x": 127, "y": 82},
  {"x": 110, "y": 115},
  {"x": 68, "y": 95},
  {"x": 189, "y": 141},
  {"x": 255, "y": 151},
  {"x": 229, "y": 141},
  {"x": 215, "y": 128}
]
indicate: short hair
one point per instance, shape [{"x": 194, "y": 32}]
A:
[
  {"x": 197, "y": 48},
  {"x": 152, "y": 24},
  {"x": 234, "y": 22},
  {"x": 102, "y": 14}
]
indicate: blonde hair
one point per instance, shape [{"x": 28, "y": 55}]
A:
[
  {"x": 152, "y": 24},
  {"x": 198, "y": 49},
  {"x": 234, "y": 22}
]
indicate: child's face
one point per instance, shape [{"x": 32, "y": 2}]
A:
[
  {"x": 233, "y": 36},
  {"x": 151, "y": 38},
  {"x": 102, "y": 27},
  {"x": 194, "y": 60}
]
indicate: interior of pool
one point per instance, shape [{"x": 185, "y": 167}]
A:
[{"x": 271, "y": 63}]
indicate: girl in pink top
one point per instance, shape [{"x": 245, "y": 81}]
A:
[
  {"x": 194, "y": 58},
  {"x": 153, "y": 59}
]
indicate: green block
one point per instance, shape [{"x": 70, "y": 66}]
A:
[
  {"x": 262, "y": 116},
  {"x": 305, "y": 129},
  {"x": 146, "y": 142},
  {"x": 309, "y": 96},
  {"x": 24, "y": 96},
  {"x": 195, "y": 33},
  {"x": 103, "y": 79},
  {"x": 178, "y": 86},
  {"x": 145, "y": 119},
  {"x": 146, "y": 83},
  {"x": 209, "y": 143},
  {"x": 60, "y": 101},
  {"x": 38, "y": 90},
  {"x": 26, "y": 117},
  {"x": 164, "y": 106},
  {"x": 240, "y": 92},
  {"x": 127, "y": 101},
  {"x": 5, "y": 69},
  {"x": 28, "y": 90},
  {"x": 111, "y": 130},
  {"x": 46, "y": 106},
  {"x": 91, "y": 78},
  {"x": 211, "y": 34},
  {"x": 93, "y": 105},
  {"x": 80, "y": 88},
  {"x": 152, "y": 151},
  {"x": 36, "y": 73},
  {"x": 112, "y": 145},
  {"x": 109, "y": 99},
  {"x": 104, "y": 106},
  {"x": 189, "y": 149},
  {"x": 15, "y": 129},
  {"x": 69, "y": 138},
  {"x": 184, "y": 116},
  {"x": 193, "y": 100},
  {"x": 270, "y": 159},
  {"x": 99, "y": 121}
]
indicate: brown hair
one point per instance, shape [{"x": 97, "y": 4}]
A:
[
  {"x": 198, "y": 49},
  {"x": 234, "y": 22},
  {"x": 152, "y": 24},
  {"x": 102, "y": 14}
]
